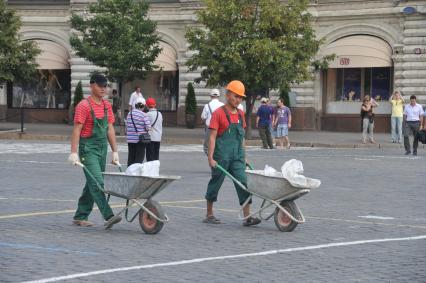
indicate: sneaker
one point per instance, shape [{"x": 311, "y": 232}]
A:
[
  {"x": 111, "y": 221},
  {"x": 83, "y": 223},
  {"x": 407, "y": 152},
  {"x": 251, "y": 221},
  {"x": 415, "y": 153}
]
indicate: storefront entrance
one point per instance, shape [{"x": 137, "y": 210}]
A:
[{"x": 362, "y": 66}]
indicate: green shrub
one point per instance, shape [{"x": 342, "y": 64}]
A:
[
  {"x": 190, "y": 101},
  {"x": 78, "y": 94}
]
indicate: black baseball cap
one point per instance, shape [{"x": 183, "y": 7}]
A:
[{"x": 99, "y": 79}]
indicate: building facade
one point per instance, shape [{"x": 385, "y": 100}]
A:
[{"x": 379, "y": 46}]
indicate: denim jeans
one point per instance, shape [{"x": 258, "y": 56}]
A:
[
  {"x": 396, "y": 129},
  {"x": 366, "y": 125}
]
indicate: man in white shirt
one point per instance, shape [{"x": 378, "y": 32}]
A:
[
  {"x": 413, "y": 113},
  {"x": 134, "y": 96},
  {"x": 206, "y": 115}
]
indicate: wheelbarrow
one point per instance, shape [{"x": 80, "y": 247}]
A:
[
  {"x": 137, "y": 191},
  {"x": 274, "y": 191}
]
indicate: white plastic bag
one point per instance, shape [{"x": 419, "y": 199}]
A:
[
  {"x": 269, "y": 171},
  {"x": 134, "y": 169},
  {"x": 292, "y": 170},
  {"x": 151, "y": 169}
]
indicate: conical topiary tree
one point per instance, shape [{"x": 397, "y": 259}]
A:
[
  {"x": 78, "y": 94},
  {"x": 190, "y": 107},
  {"x": 190, "y": 101},
  {"x": 284, "y": 95}
]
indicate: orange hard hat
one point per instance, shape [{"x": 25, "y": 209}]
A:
[{"x": 236, "y": 87}]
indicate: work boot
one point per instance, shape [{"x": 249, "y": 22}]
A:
[
  {"x": 82, "y": 223},
  {"x": 111, "y": 221}
]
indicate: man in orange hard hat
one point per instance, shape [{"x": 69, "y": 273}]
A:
[{"x": 226, "y": 148}]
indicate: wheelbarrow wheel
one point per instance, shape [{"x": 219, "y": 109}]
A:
[
  {"x": 149, "y": 224},
  {"x": 282, "y": 221}
]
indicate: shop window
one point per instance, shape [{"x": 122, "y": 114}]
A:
[
  {"x": 380, "y": 83},
  {"x": 51, "y": 89},
  {"x": 352, "y": 84}
]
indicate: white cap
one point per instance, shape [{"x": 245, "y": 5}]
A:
[
  {"x": 215, "y": 92},
  {"x": 264, "y": 100},
  {"x": 140, "y": 100}
]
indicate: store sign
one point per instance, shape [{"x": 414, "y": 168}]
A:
[{"x": 345, "y": 61}]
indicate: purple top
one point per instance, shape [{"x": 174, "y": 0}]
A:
[
  {"x": 283, "y": 114},
  {"x": 142, "y": 124}
]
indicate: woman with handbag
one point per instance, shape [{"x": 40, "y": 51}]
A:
[
  {"x": 138, "y": 127},
  {"x": 367, "y": 117}
]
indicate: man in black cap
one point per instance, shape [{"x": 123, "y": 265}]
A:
[{"x": 93, "y": 129}]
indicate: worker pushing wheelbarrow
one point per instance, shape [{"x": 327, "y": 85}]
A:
[{"x": 226, "y": 157}]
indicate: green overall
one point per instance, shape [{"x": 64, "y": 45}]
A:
[
  {"x": 93, "y": 151},
  {"x": 229, "y": 153}
]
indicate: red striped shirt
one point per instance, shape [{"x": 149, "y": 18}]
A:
[{"x": 83, "y": 115}]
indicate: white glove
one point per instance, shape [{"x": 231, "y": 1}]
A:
[
  {"x": 115, "y": 158},
  {"x": 73, "y": 158}
]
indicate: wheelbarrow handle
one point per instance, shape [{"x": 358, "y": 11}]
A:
[
  {"x": 249, "y": 166},
  {"x": 78, "y": 163},
  {"x": 230, "y": 176}
]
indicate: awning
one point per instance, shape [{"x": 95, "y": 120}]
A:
[
  {"x": 52, "y": 56},
  {"x": 359, "y": 51},
  {"x": 167, "y": 58}
]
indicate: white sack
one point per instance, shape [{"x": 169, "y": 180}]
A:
[
  {"x": 292, "y": 170},
  {"x": 151, "y": 169},
  {"x": 269, "y": 171}
]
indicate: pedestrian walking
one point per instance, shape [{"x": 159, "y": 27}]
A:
[
  {"x": 282, "y": 122},
  {"x": 263, "y": 122},
  {"x": 116, "y": 106},
  {"x": 137, "y": 94},
  {"x": 272, "y": 128},
  {"x": 413, "y": 122},
  {"x": 156, "y": 120},
  {"x": 226, "y": 148},
  {"x": 138, "y": 125},
  {"x": 367, "y": 117},
  {"x": 207, "y": 113},
  {"x": 397, "y": 102},
  {"x": 93, "y": 129}
]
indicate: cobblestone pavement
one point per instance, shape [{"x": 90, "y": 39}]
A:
[{"x": 366, "y": 223}]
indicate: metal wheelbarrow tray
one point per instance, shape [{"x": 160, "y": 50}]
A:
[{"x": 135, "y": 188}]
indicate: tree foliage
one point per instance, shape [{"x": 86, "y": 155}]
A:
[
  {"x": 190, "y": 100},
  {"x": 266, "y": 44},
  {"x": 117, "y": 35},
  {"x": 17, "y": 57}
]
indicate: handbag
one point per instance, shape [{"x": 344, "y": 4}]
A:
[
  {"x": 421, "y": 136},
  {"x": 143, "y": 137}
]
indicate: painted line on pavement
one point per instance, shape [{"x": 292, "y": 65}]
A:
[
  {"x": 49, "y": 249},
  {"x": 43, "y": 213},
  {"x": 170, "y": 204},
  {"x": 313, "y": 217},
  {"x": 225, "y": 257},
  {"x": 377, "y": 217}
]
